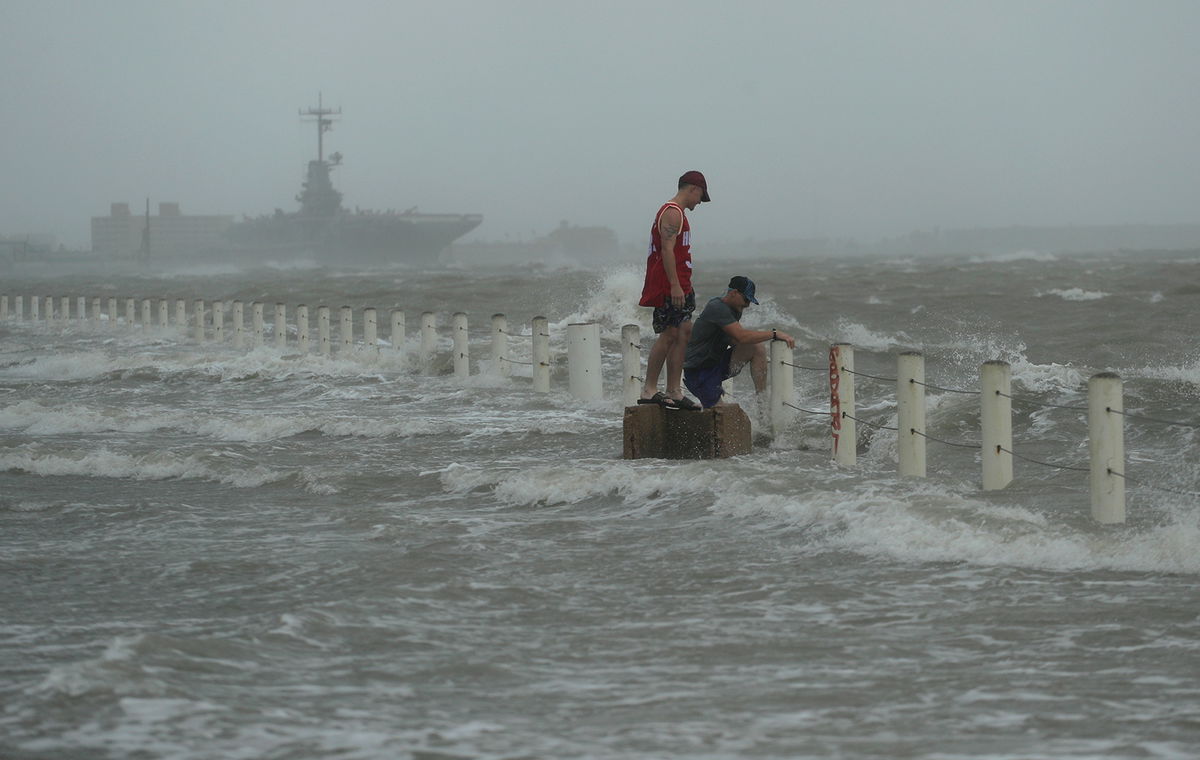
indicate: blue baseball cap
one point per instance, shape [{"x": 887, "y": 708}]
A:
[{"x": 745, "y": 286}]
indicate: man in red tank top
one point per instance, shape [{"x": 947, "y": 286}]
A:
[{"x": 668, "y": 290}]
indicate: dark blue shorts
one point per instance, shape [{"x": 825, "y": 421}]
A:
[{"x": 705, "y": 383}]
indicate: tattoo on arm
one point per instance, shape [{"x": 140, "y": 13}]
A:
[{"x": 669, "y": 224}]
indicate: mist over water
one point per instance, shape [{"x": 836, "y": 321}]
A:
[{"x": 249, "y": 553}]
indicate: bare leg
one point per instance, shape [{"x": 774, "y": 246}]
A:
[
  {"x": 675, "y": 360},
  {"x": 757, "y": 356},
  {"x": 659, "y": 352},
  {"x": 758, "y": 368}
]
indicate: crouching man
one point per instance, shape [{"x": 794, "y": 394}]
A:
[{"x": 719, "y": 346}]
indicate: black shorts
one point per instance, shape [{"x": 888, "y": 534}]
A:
[{"x": 668, "y": 316}]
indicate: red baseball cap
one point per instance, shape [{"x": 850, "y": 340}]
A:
[{"x": 695, "y": 178}]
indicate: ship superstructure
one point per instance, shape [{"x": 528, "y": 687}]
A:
[{"x": 331, "y": 234}]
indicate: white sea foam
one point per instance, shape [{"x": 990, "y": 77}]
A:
[
  {"x": 931, "y": 523},
  {"x": 217, "y": 361},
  {"x": 613, "y": 302},
  {"x": 928, "y": 522},
  {"x": 103, "y": 463},
  {"x": 861, "y": 336},
  {"x": 1189, "y": 373},
  {"x": 636, "y": 483},
  {"x": 1045, "y": 378},
  {"x": 69, "y": 366},
  {"x": 1011, "y": 256},
  {"x": 36, "y": 419},
  {"x": 1075, "y": 294},
  {"x": 766, "y": 314}
]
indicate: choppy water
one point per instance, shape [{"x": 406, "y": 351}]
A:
[{"x": 208, "y": 552}]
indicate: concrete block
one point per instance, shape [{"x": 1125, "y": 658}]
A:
[{"x": 716, "y": 433}]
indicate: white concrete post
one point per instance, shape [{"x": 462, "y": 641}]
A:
[
  {"x": 541, "y": 355},
  {"x": 19, "y": 308},
  {"x": 326, "y": 345},
  {"x": 3, "y": 307},
  {"x": 781, "y": 386},
  {"x": 631, "y": 364},
  {"x": 302, "y": 328},
  {"x": 370, "y": 330},
  {"x": 146, "y": 314},
  {"x": 841, "y": 405},
  {"x": 500, "y": 364},
  {"x": 198, "y": 316},
  {"x": 130, "y": 311},
  {"x": 1106, "y": 444},
  {"x": 64, "y": 307},
  {"x": 34, "y": 309},
  {"x": 81, "y": 309},
  {"x": 583, "y": 361},
  {"x": 428, "y": 340},
  {"x": 49, "y": 309},
  {"x": 256, "y": 324},
  {"x": 398, "y": 331},
  {"x": 181, "y": 313},
  {"x": 112, "y": 312},
  {"x": 462, "y": 353},
  {"x": 239, "y": 324},
  {"x": 218, "y": 320},
  {"x": 164, "y": 311},
  {"x": 347, "y": 334},
  {"x": 96, "y": 311},
  {"x": 910, "y": 413},
  {"x": 280, "y": 326},
  {"x": 995, "y": 420}
]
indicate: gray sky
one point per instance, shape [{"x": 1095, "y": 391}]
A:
[{"x": 847, "y": 119}]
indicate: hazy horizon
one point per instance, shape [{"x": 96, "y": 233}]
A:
[{"x": 810, "y": 119}]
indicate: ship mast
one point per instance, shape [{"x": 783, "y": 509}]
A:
[
  {"x": 318, "y": 199},
  {"x": 324, "y": 124}
]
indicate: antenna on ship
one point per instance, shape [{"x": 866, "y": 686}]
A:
[{"x": 324, "y": 124}]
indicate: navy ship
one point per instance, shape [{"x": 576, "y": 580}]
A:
[{"x": 331, "y": 234}]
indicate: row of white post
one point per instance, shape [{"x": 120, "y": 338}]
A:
[
  {"x": 1106, "y": 443},
  {"x": 208, "y": 323}
]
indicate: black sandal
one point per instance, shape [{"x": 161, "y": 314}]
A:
[{"x": 657, "y": 398}]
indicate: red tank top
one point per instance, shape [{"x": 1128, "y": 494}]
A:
[{"x": 657, "y": 288}]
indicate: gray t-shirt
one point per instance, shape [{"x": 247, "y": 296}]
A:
[{"x": 709, "y": 339}]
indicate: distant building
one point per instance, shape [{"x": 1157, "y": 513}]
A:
[
  {"x": 171, "y": 233},
  {"x": 26, "y": 247}
]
